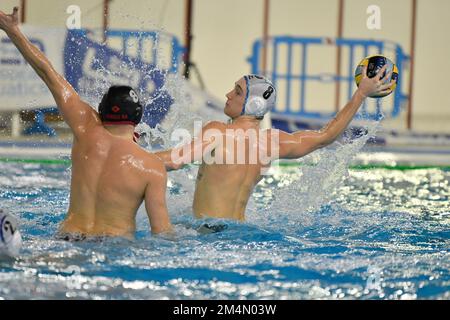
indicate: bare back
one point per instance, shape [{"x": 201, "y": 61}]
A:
[
  {"x": 109, "y": 178},
  {"x": 223, "y": 190}
]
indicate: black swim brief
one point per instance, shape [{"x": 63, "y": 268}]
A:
[{"x": 207, "y": 228}]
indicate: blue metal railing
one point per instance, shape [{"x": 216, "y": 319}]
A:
[
  {"x": 154, "y": 40},
  {"x": 301, "y": 75}
]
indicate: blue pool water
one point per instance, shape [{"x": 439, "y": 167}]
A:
[{"x": 358, "y": 234}]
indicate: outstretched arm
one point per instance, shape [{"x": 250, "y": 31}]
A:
[
  {"x": 77, "y": 114},
  {"x": 177, "y": 157},
  {"x": 301, "y": 143}
]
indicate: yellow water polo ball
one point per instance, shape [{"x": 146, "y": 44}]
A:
[{"x": 374, "y": 64}]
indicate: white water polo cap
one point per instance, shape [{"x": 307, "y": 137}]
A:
[
  {"x": 10, "y": 238},
  {"x": 261, "y": 96}
]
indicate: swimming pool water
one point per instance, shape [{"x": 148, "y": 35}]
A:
[{"x": 371, "y": 234}]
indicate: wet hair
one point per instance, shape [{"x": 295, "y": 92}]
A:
[{"x": 120, "y": 105}]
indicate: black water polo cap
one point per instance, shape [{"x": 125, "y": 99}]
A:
[{"x": 120, "y": 105}]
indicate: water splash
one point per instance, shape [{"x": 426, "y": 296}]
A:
[{"x": 313, "y": 184}]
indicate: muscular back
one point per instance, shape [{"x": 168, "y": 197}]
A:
[
  {"x": 223, "y": 190},
  {"x": 110, "y": 175}
]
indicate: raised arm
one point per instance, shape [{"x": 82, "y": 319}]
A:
[
  {"x": 77, "y": 114},
  {"x": 301, "y": 143}
]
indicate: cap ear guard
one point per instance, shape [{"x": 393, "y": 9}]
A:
[
  {"x": 101, "y": 106},
  {"x": 256, "y": 106},
  {"x": 139, "y": 108},
  {"x": 260, "y": 97}
]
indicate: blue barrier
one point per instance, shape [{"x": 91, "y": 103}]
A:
[
  {"x": 280, "y": 67},
  {"x": 177, "y": 50},
  {"x": 39, "y": 126},
  {"x": 91, "y": 67}
]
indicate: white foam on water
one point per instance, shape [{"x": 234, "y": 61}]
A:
[{"x": 312, "y": 185}]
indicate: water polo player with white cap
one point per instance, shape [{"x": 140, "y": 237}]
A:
[
  {"x": 10, "y": 238},
  {"x": 223, "y": 189}
]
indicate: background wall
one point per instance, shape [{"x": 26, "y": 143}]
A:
[{"x": 225, "y": 30}]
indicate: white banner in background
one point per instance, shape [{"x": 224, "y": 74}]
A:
[{"x": 20, "y": 86}]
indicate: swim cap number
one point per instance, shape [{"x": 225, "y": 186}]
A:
[
  {"x": 268, "y": 93},
  {"x": 8, "y": 226},
  {"x": 134, "y": 96}
]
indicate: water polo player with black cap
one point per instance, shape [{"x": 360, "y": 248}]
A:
[
  {"x": 120, "y": 105},
  {"x": 225, "y": 181},
  {"x": 111, "y": 175}
]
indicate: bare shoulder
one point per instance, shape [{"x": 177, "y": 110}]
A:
[
  {"x": 213, "y": 129},
  {"x": 84, "y": 119},
  {"x": 154, "y": 161},
  {"x": 91, "y": 135},
  {"x": 147, "y": 163},
  {"x": 91, "y": 112},
  {"x": 215, "y": 125}
]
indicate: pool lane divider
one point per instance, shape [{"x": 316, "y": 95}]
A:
[
  {"x": 68, "y": 162},
  {"x": 38, "y": 161}
]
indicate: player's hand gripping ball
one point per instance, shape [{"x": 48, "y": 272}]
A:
[{"x": 374, "y": 65}]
